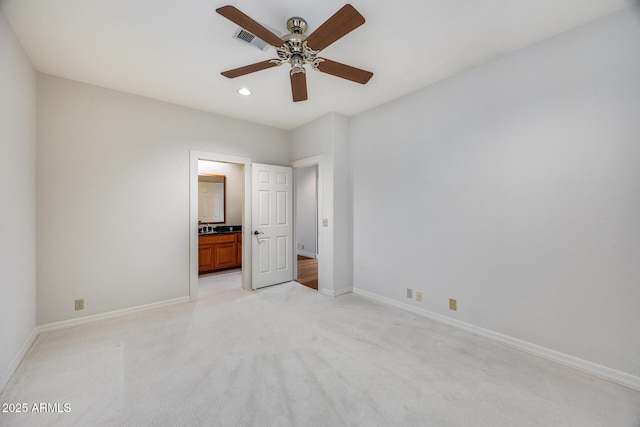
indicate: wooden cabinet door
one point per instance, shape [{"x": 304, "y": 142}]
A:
[
  {"x": 219, "y": 251},
  {"x": 205, "y": 258},
  {"x": 224, "y": 255}
]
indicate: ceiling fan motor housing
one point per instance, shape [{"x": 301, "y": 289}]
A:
[
  {"x": 295, "y": 50},
  {"x": 297, "y": 25}
]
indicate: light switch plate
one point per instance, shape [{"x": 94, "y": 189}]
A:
[{"x": 325, "y": 222}]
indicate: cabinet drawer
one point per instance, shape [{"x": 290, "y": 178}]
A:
[{"x": 217, "y": 238}]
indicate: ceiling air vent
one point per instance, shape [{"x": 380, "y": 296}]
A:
[{"x": 246, "y": 37}]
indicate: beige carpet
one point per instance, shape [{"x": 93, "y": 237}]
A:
[{"x": 289, "y": 356}]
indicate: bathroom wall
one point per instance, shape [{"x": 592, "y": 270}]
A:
[{"x": 234, "y": 187}]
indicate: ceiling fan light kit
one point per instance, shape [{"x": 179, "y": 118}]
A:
[{"x": 298, "y": 49}]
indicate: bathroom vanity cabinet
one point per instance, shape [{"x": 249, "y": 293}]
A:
[{"x": 219, "y": 251}]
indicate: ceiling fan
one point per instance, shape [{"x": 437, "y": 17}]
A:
[{"x": 298, "y": 49}]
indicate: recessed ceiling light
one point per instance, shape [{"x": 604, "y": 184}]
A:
[{"x": 244, "y": 91}]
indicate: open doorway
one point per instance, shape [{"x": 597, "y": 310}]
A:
[
  {"x": 219, "y": 253},
  {"x": 306, "y": 224},
  {"x": 220, "y": 205}
]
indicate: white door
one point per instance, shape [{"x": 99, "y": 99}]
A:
[{"x": 272, "y": 231}]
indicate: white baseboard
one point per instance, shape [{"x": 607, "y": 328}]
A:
[
  {"x": 604, "y": 372},
  {"x": 343, "y": 291},
  {"x": 72, "y": 323},
  {"x": 18, "y": 359},
  {"x": 337, "y": 292},
  {"x": 81, "y": 321},
  {"x": 325, "y": 292},
  {"x": 306, "y": 254}
]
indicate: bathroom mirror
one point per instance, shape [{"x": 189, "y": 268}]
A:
[{"x": 211, "y": 198}]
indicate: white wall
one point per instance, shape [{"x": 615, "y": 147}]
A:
[
  {"x": 514, "y": 188},
  {"x": 104, "y": 233},
  {"x": 306, "y": 211},
  {"x": 17, "y": 201},
  {"x": 343, "y": 206},
  {"x": 234, "y": 183},
  {"x": 327, "y": 136}
]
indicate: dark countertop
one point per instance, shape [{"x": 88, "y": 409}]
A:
[
  {"x": 222, "y": 229},
  {"x": 219, "y": 232}
]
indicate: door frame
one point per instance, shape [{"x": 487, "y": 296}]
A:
[
  {"x": 194, "y": 156},
  {"x": 298, "y": 164}
]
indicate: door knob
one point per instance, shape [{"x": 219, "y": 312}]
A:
[{"x": 257, "y": 232}]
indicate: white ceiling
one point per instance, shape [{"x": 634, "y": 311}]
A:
[{"x": 174, "y": 51}]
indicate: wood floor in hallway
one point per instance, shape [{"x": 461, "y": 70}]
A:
[{"x": 308, "y": 272}]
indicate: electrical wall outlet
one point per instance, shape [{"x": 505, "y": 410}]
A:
[
  {"x": 418, "y": 295},
  {"x": 453, "y": 304},
  {"x": 409, "y": 293},
  {"x": 79, "y": 304}
]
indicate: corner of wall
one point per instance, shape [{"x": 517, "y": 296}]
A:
[{"x": 18, "y": 123}]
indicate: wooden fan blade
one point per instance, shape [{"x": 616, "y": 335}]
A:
[
  {"x": 237, "y": 72},
  {"x": 340, "y": 24},
  {"x": 234, "y": 15},
  {"x": 299, "y": 87},
  {"x": 344, "y": 71}
]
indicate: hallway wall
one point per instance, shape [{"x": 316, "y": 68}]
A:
[{"x": 306, "y": 211}]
